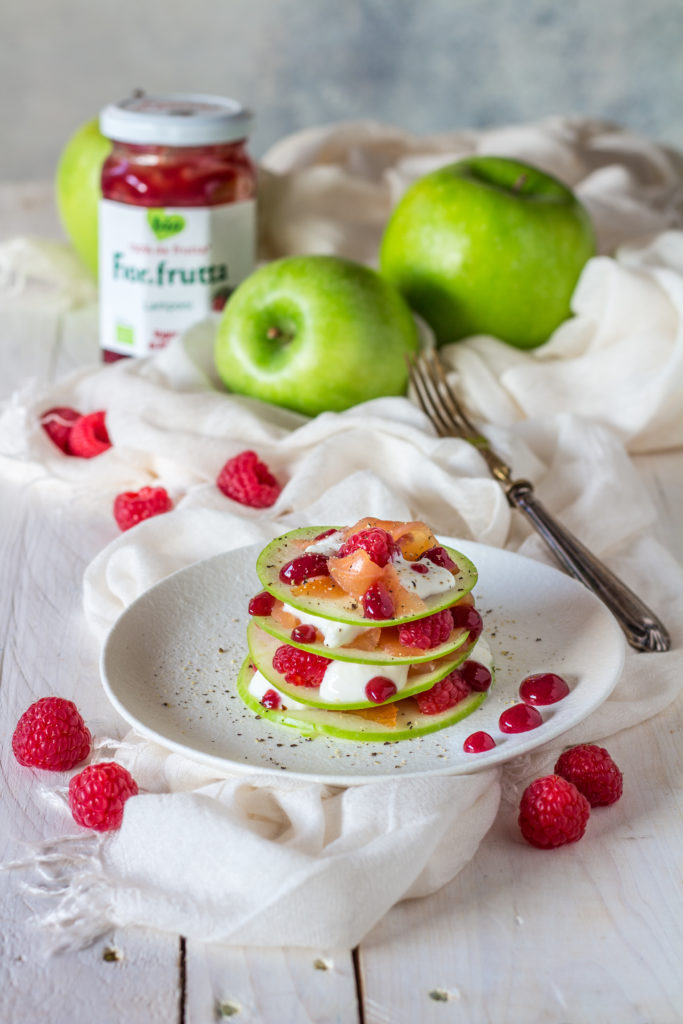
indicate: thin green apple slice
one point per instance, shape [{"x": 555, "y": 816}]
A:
[
  {"x": 456, "y": 640},
  {"x": 262, "y": 647},
  {"x": 348, "y": 609},
  {"x": 349, "y": 725}
]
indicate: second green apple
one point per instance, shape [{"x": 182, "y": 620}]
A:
[
  {"x": 488, "y": 245},
  {"x": 315, "y": 334}
]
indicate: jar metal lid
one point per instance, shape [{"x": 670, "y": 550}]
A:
[{"x": 175, "y": 119}]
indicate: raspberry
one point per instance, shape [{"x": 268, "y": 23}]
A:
[
  {"x": 439, "y": 556},
  {"x": 377, "y": 602},
  {"x": 476, "y": 675},
  {"x": 131, "y": 507},
  {"x": 98, "y": 793},
  {"x": 443, "y": 695},
  {"x": 379, "y": 689},
  {"x": 465, "y": 616},
  {"x": 377, "y": 543},
  {"x": 57, "y": 424},
  {"x": 300, "y": 668},
  {"x": 51, "y": 734},
  {"x": 552, "y": 812},
  {"x": 593, "y": 772},
  {"x": 248, "y": 481},
  {"x": 89, "y": 436},
  {"x": 262, "y": 604},
  {"x": 428, "y": 632},
  {"x": 304, "y": 634},
  {"x": 303, "y": 568},
  {"x": 271, "y": 700}
]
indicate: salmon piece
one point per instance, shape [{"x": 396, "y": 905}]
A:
[
  {"x": 414, "y": 539},
  {"x": 385, "y": 714},
  {"x": 318, "y": 586},
  {"x": 368, "y": 523},
  {"x": 355, "y": 572},
  {"x": 286, "y": 619},
  {"x": 405, "y": 603},
  {"x": 366, "y": 641}
]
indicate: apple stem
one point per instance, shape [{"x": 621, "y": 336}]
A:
[{"x": 521, "y": 182}]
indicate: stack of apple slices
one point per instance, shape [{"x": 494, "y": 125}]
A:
[{"x": 366, "y": 633}]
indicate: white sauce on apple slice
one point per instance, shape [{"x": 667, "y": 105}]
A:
[
  {"x": 435, "y": 581},
  {"x": 344, "y": 682},
  {"x": 328, "y": 545},
  {"x": 259, "y": 685},
  {"x": 335, "y": 634}
]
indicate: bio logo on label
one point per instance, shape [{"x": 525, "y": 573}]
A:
[{"x": 165, "y": 225}]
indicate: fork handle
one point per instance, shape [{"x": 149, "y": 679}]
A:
[{"x": 644, "y": 631}]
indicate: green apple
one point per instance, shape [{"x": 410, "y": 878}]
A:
[
  {"x": 488, "y": 245},
  {"x": 315, "y": 333},
  {"x": 79, "y": 190}
]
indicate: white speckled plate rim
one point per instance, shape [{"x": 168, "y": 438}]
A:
[{"x": 170, "y": 662}]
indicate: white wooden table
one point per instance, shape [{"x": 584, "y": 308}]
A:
[{"x": 590, "y": 933}]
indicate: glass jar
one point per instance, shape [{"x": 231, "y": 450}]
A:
[{"x": 177, "y": 219}]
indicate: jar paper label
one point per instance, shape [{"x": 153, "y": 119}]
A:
[{"x": 163, "y": 269}]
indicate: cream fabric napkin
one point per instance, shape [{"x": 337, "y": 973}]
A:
[{"x": 307, "y": 864}]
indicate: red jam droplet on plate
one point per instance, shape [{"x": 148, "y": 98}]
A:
[
  {"x": 519, "y": 718},
  {"x": 543, "y": 688},
  {"x": 478, "y": 742}
]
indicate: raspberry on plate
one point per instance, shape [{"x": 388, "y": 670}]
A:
[
  {"x": 300, "y": 668},
  {"x": 593, "y": 772},
  {"x": 89, "y": 436},
  {"x": 131, "y": 507},
  {"x": 248, "y": 481},
  {"x": 377, "y": 543},
  {"x": 427, "y": 632},
  {"x": 52, "y": 735},
  {"x": 443, "y": 695},
  {"x": 57, "y": 424},
  {"x": 98, "y": 793},
  {"x": 552, "y": 813}
]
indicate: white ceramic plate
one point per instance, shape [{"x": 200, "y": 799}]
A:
[{"x": 170, "y": 663}]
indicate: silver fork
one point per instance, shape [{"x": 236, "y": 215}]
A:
[{"x": 644, "y": 631}]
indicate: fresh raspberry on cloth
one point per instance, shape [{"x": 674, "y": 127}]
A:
[
  {"x": 51, "y": 734},
  {"x": 98, "y": 793},
  {"x": 57, "y": 424},
  {"x": 89, "y": 436},
  {"x": 131, "y": 507},
  {"x": 377, "y": 543},
  {"x": 300, "y": 668},
  {"x": 247, "y": 480},
  {"x": 428, "y": 632},
  {"x": 593, "y": 772},
  {"x": 443, "y": 695},
  {"x": 552, "y": 812}
]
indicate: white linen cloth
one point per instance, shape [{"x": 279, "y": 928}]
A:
[{"x": 286, "y": 863}]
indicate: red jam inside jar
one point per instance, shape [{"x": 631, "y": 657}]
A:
[{"x": 187, "y": 171}]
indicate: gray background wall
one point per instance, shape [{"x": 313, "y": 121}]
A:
[{"x": 427, "y": 65}]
